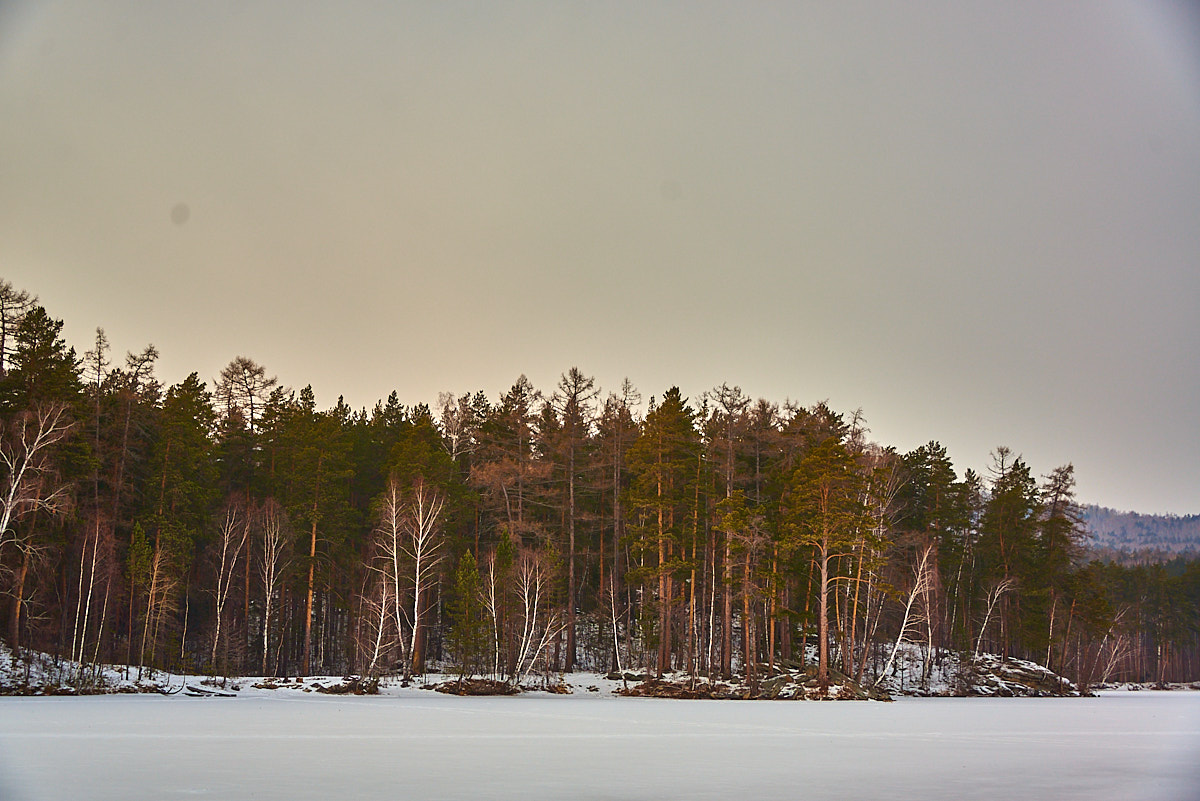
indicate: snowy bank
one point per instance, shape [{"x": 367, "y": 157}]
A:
[{"x": 912, "y": 674}]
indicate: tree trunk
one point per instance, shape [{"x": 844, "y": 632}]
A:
[
  {"x": 773, "y": 611},
  {"x": 664, "y": 619},
  {"x": 570, "y": 656},
  {"x": 14, "y": 620},
  {"x": 823, "y": 616},
  {"x": 308, "y": 603},
  {"x": 748, "y": 646},
  {"x": 312, "y": 565},
  {"x": 727, "y": 611}
]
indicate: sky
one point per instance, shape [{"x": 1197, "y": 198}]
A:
[{"x": 978, "y": 222}]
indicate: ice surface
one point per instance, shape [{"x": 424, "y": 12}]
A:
[{"x": 423, "y": 745}]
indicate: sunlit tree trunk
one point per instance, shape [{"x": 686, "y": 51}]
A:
[{"x": 312, "y": 569}]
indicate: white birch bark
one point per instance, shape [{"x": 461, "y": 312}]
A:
[
  {"x": 271, "y": 565},
  {"x": 921, "y": 585},
  {"x": 24, "y": 454},
  {"x": 235, "y": 530},
  {"x": 421, "y": 525}
]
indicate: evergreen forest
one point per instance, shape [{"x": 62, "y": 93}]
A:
[{"x": 228, "y": 525}]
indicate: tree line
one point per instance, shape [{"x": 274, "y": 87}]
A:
[
  {"x": 234, "y": 527},
  {"x": 1133, "y": 538}
]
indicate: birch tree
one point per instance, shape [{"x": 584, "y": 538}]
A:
[
  {"x": 459, "y": 424},
  {"x": 96, "y": 363},
  {"x": 996, "y": 591},
  {"x": 157, "y": 567},
  {"x": 423, "y": 545},
  {"x": 539, "y": 626},
  {"x": 36, "y": 398},
  {"x": 375, "y": 614},
  {"x": 231, "y": 540},
  {"x": 496, "y": 566},
  {"x": 29, "y": 484},
  {"x": 275, "y": 536},
  {"x": 916, "y": 605},
  {"x": 390, "y": 548}
]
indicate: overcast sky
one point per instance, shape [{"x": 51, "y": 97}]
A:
[{"x": 979, "y": 222}]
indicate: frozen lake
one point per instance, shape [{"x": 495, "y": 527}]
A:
[{"x": 427, "y": 746}]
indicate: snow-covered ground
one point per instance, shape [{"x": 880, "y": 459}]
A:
[{"x": 411, "y": 744}]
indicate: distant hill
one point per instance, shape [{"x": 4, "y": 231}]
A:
[{"x": 1149, "y": 537}]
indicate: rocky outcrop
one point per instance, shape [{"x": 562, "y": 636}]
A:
[
  {"x": 796, "y": 684},
  {"x": 989, "y": 675},
  {"x": 476, "y": 687}
]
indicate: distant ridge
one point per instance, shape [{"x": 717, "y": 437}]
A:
[{"x": 1149, "y": 537}]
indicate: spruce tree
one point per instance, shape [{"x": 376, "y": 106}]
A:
[{"x": 468, "y": 623}]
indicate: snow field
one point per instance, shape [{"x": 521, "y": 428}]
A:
[{"x": 422, "y": 745}]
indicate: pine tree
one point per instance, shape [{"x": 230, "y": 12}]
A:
[
  {"x": 14, "y": 305},
  {"x": 616, "y": 431},
  {"x": 573, "y": 405},
  {"x": 44, "y": 370},
  {"x": 1007, "y": 548},
  {"x": 41, "y": 398},
  {"x": 1059, "y": 544},
  {"x": 508, "y": 472},
  {"x": 824, "y": 512},
  {"x": 180, "y": 490},
  {"x": 319, "y": 500},
  {"x": 662, "y": 462}
]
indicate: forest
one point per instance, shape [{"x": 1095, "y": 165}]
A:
[
  {"x": 1131, "y": 538},
  {"x": 230, "y": 526}
]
